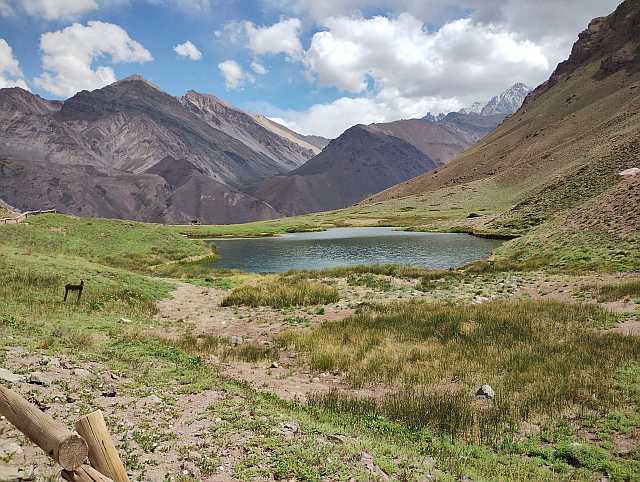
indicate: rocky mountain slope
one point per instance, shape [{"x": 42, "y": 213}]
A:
[
  {"x": 369, "y": 158},
  {"x": 117, "y": 134},
  {"x": 559, "y": 157},
  {"x": 363, "y": 160},
  {"x": 315, "y": 143}
]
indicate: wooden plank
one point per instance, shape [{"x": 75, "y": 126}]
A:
[
  {"x": 65, "y": 447},
  {"x": 84, "y": 474},
  {"x": 102, "y": 453}
]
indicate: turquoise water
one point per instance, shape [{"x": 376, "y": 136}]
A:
[{"x": 351, "y": 246}]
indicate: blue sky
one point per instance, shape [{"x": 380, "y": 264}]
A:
[{"x": 317, "y": 66}]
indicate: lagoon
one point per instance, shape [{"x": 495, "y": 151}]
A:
[{"x": 349, "y": 247}]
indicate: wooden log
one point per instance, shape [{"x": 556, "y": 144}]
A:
[
  {"x": 102, "y": 453},
  {"x": 65, "y": 447},
  {"x": 84, "y": 474}
]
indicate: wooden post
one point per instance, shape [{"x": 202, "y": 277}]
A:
[
  {"x": 84, "y": 474},
  {"x": 102, "y": 453},
  {"x": 64, "y": 446}
]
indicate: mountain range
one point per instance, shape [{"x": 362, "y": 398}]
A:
[
  {"x": 367, "y": 159},
  {"x": 129, "y": 150}
]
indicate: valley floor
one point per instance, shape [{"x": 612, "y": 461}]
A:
[{"x": 345, "y": 374}]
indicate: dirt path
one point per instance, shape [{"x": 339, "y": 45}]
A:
[{"x": 197, "y": 310}]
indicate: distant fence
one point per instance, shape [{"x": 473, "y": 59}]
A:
[{"x": 22, "y": 217}]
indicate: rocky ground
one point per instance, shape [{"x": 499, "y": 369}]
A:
[{"x": 220, "y": 432}]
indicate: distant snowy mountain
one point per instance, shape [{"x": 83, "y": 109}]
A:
[
  {"x": 476, "y": 108},
  {"x": 508, "y": 102},
  {"x": 504, "y": 104}
]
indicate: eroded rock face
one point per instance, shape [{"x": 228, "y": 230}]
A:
[
  {"x": 614, "y": 39},
  {"x": 105, "y": 153}
]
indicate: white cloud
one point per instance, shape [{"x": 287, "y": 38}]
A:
[
  {"x": 187, "y": 6},
  {"x": 6, "y": 10},
  {"x": 187, "y": 49},
  {"x": 10, "y": 72},
  {"x": 258, "y": 68},
  {"x": 68, "y": 56},
  {"x": 330, "y": 120},
  {"x": 233, "y": 74},
  {"x": 279, "y": 38},
  {"x": 399, "y": 54},
  {"x": 58, "y": 9}
]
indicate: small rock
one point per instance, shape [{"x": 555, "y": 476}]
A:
[
  {"x": 274, "y": 365},
  {"x": 71, "y": 398},
  {"x": 634, "y": 171},
  {"x": 57, "y": 333},
  {"x": 54, "y": 362},
  {"x": 485, "y": 391},
  {"x": 109, "y": 392},
  {"x": 124, "y": 321},
  {"x": 9, "y": 449},
  {"x": 9, "y": 377},
  {"x": 290, "y": 427},
  {"x": 38, "y": 379},
  {"x": 235, "y": 340},
  {"x": 82, "y": 373},
  {"x": 315, "y": 380},
  {"x": 152, "y": 400},
  {"x": 15, "y": 474},
  {"x": 367, "y": 460}
]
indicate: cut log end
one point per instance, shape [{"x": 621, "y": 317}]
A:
[{"x": 72, "y": 452}]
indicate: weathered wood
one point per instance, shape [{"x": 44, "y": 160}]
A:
[
  {"x": 65, "y": 447},
  {"x": 102, "y": 453},
  {"x": 84, "y": 474}
]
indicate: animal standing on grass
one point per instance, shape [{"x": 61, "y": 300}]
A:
[{"x": 71, "y": 287}]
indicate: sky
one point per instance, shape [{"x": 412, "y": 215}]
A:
[{"x": 318, "y": 66}]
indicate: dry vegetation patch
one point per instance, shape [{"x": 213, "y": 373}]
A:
[
  {"x": 542, "y": 358},
  {"x": 282, "y": 293}
]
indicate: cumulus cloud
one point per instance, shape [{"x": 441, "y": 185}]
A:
[
  {"x": 233, "y": 73},
  {"x": 258, "y": 68},
  {"x": 68, "y": 56},
  {"x": 280, "y": 38},
  {"x": 188, "y": 50},
  {"x": 331, "y": 119},
  {"x": 10, "y": 72},
  {"x": 57, "y": 9},
  {"x": 400, "y": 54},
  {"x": 535, "y": 19}
]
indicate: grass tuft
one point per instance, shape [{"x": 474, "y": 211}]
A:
[
  {"x": 615, "y": 291},
  {"x": 282, "y": 293}
]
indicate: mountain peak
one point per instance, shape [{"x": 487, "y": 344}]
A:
[
  {"x": 508, "y": 101},
  {"x": 136, "y": 78}
]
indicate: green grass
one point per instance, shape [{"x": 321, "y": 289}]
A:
[
  {"x": 122, "y": 244},
  {"x": 281, "y": 293},
  {"x": 370, "y": 281},
  {"x": 616, "y": 291},
  {"x": 434, "y": 356},
  {"x": 575, "y": 250}
]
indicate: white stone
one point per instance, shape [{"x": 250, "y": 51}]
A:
[
  {"x": 634, "y": 171},
  {"x": 9, "y": 377}
]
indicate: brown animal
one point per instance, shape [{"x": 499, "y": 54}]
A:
[{"x": 71, "y": 287}]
